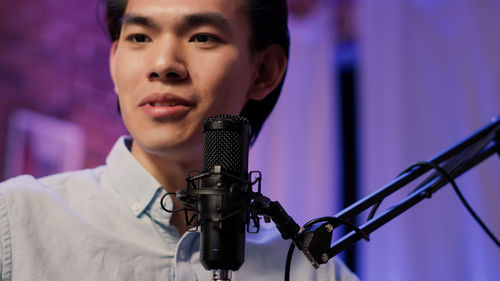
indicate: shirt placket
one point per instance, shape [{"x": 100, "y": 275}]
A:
[{"x": 183, "y": 247}]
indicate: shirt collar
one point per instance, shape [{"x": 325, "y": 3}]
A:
[{"x": 137, "y": 187}]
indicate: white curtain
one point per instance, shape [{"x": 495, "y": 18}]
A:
[
  {"x": 430, "y": 76},
  {"x": 296, "y": 150}
]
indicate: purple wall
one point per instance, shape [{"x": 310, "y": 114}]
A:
[{"x": 54, "y": 60}]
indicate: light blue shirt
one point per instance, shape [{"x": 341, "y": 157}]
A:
[{"x": 107, "y": 224}]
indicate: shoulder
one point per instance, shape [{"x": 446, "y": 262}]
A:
[
  {"x": 74, "y": 178},
  {"x": 18, "y": 187},
  {"x": 25, "y": 190},
  {"x": 27, "y": 183}
]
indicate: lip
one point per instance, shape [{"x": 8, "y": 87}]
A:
[{"x": 178, "y": 106}]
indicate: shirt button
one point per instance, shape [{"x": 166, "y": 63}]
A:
[
  {"x": 182, "y": 254},
  {"x": 136, "y": 207}
]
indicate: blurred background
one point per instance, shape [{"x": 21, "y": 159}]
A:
[{"x": 372, "y": 87}]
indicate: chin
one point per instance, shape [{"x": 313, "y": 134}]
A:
[{"x": 169, "y": 145}]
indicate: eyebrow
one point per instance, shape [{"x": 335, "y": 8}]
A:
[
  {"x": 198, "y": 19},
  {"x": 132, "y": 19},
  {"x": 188, "y": 21}
]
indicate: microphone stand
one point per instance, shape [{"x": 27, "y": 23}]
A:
[
  {"x": 456, "y": 161},
  {"x": 315, "y": 240},
  {"x": 222, "y": 275}
]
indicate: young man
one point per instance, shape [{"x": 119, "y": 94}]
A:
[{"x": 173, "y": 63}]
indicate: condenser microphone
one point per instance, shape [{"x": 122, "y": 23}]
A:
[{"x": 222, "y": 194}]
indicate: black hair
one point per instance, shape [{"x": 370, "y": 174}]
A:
[{"x": 268, "y": 21}]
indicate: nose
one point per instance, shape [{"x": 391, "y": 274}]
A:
[{"x": 168, "y": 62}]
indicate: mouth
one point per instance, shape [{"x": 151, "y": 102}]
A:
[
  {"x": 165, "y": 100},
  {"x": 165, "y": 106}
]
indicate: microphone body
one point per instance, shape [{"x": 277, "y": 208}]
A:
[{"x": 222, "y": 195}]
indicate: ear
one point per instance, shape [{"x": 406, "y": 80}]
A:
[
  {"x": 112, "y": 63},
  {"x": 270, "y": 68}
]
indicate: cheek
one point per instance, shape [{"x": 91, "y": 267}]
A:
[
  {"x": 123, "y": 74},
  {"x": 127, "y": 76},
  {"x": 227, "y": 79},
  {"x": 238, "y": 82}
]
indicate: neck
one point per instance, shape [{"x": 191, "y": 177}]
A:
[
  {"x": 168, "y": 169},
  {"x": 171, "y": 173}
]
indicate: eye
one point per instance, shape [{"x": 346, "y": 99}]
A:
[
  {"x": 205, "y": 38},
  {"x": 138, "y": 38}
]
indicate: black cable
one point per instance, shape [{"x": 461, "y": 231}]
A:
[
  {"x": 445, "y": 174},
  {"x": 316, "y": 220},
  {"x": 374, "y": 209},
  {"x": 289, "y": 261},
  {"x": 162, "y": 203},
  {"x": 377, "y": 205},
  {"x": 185, "y": 208}
]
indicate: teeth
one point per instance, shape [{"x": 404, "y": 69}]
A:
[{"x": 163, "y": 104}]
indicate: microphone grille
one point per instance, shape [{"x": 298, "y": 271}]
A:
[{"x": 225, "y": 143}]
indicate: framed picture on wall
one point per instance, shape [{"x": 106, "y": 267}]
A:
[{"x": 40, "y": 145}]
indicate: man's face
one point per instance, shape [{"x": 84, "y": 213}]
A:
[{"x": 176, "y": 63}]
